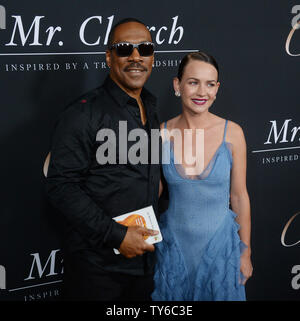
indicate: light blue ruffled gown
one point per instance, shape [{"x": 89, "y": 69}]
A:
[{"x": 199, "y": 257}]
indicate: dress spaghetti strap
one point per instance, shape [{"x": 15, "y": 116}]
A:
[{"x": 225, "y": 129}]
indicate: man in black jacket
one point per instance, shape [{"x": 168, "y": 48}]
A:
[{"x": 90, "y": 194}]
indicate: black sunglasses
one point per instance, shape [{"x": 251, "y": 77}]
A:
[{"x": 125, "y": 49}]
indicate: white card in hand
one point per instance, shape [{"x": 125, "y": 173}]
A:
[{"x": 144, "y": 217}]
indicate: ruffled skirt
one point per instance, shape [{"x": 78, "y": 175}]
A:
[{"x": 217, "y": 276}]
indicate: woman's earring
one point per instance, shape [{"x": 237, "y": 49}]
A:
[{"x": 177, "y": 93}]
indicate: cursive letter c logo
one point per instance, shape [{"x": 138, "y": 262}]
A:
[
  {"x": 285, "y": 229},
  {"x": 288, "y": 40}
]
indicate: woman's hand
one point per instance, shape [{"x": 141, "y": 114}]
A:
[{"x": 246, "y": 266}]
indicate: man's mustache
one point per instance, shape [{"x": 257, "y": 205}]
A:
[{"x": 135, "y": 65}]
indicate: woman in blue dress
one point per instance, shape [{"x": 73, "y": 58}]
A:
[{"x": 205, "y": 253}]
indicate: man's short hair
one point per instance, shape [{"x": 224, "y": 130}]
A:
[{"x": 120, "y": 22}]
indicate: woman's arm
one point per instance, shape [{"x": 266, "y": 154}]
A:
[
  {"x": 239, "y": 197},
  {"x": 160, "y": 188},
  {"x": 162, "y": 125}
]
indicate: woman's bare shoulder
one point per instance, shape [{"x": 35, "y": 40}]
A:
[
  {"x": 235, "y": 132},
  {"x": 170, "y": 122}
]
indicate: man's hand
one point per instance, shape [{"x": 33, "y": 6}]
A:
[{"x": 134, "y": 243}]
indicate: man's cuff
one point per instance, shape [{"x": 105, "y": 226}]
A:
[{"x": 116, "y": 235}]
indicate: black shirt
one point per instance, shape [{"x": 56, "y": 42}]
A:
[{"x": 89, "y": 194}]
